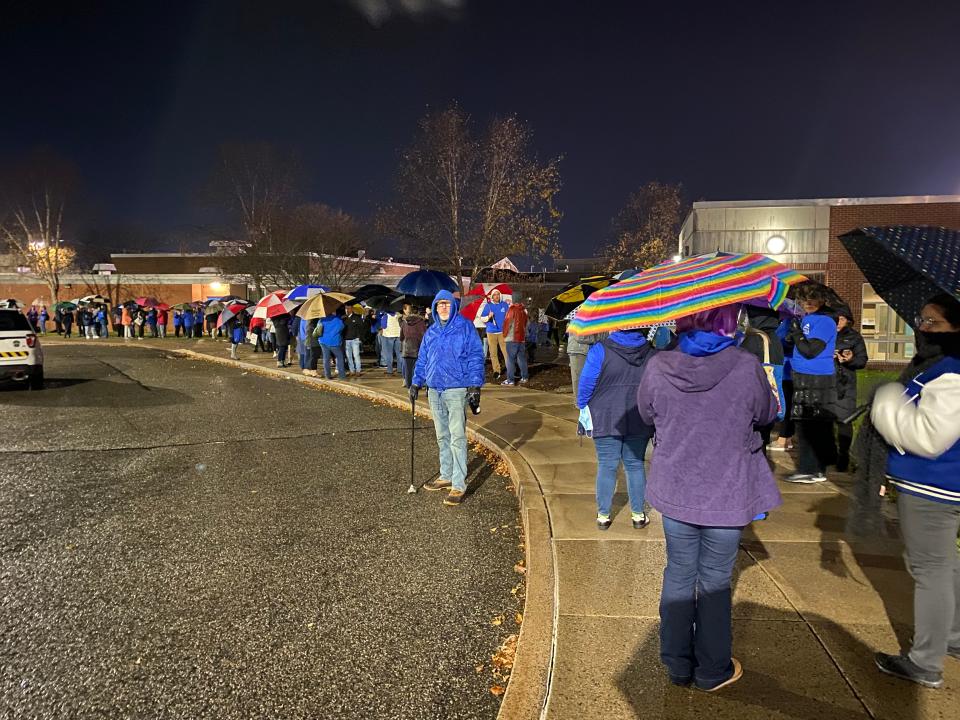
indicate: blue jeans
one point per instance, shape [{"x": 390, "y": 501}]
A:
[
  {"x": 517, "y": 352},
  {"x": 695, "y": 605},
  {"x": 449, "y": 409},
  {"x": 611, "y": 451},
  {"x": 389, "y": 350},
  {"x": 353, "y": 355},
  {"x": 337, "y": 352},
  {"x": 303, "y": 355}
]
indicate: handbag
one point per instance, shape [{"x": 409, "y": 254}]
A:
[
  {"x": 773, "y": 372},
  {"x": 252, "y": 338}
]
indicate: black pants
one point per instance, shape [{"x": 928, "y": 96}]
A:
[
  {"x": 787, "y": 426},
  {"x": 408, "y": 365},
  {"x": 314, "y": 357},
  {"x": 816, "y": 446},
  {"x": 844, "y": 441}
]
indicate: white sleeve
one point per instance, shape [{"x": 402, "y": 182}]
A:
[{"x": 927, "y": 428}]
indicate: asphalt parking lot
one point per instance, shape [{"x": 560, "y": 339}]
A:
[{"x": 183, "y": 540}]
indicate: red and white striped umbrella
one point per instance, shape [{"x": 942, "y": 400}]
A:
[
  {"x": 231, "y": 311},
  {"x": 271, "y": 306}
]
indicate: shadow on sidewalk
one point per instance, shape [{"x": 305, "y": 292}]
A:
[{"x": 780, "y": 678}]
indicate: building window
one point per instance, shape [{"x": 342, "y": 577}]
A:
[{"x": 887, "y": 335}]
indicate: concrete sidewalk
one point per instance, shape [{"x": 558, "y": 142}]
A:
[{"x": 810, "y": 610}]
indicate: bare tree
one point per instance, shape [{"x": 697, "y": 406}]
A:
[
  {"x": 35, "y": 197},
  {"x": 464, "y": 202},
  {"x": 258, "y": 183},
  {"x": 645, "y": 231}
]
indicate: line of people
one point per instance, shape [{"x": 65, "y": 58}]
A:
[{"x": 707, "y": 403}]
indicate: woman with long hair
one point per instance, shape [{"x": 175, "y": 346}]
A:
[{"x": 708, "y": 478}]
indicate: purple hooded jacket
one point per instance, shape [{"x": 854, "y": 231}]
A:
[{"x": 708, "y": 465}]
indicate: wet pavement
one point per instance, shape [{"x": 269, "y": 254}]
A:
[{"x": 185, "y": 540}]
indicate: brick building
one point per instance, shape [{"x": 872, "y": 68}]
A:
[
  {"x": 805, "y": 235},
  {"x": 170, "y": 277}
]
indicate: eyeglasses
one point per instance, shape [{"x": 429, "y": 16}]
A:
[{"x": 919, "y": 321}]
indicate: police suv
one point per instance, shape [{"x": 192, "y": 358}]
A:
[{"x": 21, "y": 357}]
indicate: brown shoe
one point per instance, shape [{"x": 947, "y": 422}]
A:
[
  {"x": 438, "y": 483},
  {"x": 737, "y": 674},
  {"x": 454, "y": 498}
]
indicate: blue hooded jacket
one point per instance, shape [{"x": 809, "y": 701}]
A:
[
  {"x": 451, "y": 355},
  {"x": 332, "y": 331}
]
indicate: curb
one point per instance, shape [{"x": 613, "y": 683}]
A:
[{"x": 530, "y": 680}]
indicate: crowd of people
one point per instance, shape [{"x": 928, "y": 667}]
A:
[
  {"x": 709, "y": 394},
  {"x": 708, "y": 398}
]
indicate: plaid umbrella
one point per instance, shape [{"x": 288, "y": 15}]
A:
[
  {"x": 574, "y": 294},
  {"x": 673, "y": 290},
  {"x": 907, "y": 265}
]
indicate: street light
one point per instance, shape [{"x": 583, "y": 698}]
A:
[{"x": 776, "y": 244}]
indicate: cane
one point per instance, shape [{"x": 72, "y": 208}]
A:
[{"x": 413, "y": 432}]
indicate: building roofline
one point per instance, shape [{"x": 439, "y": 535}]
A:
[{"x": 830, "y": 202}]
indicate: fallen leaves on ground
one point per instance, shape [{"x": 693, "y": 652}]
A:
[
  {"x": 497, "y": 690},
  {"x": 520, "y": 568},
  {"x": 498, "y": 620}
]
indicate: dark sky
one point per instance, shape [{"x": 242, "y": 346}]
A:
[{"x": 735, "y": 100}]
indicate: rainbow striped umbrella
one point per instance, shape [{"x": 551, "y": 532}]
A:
[{"x": 676, "y": 289}]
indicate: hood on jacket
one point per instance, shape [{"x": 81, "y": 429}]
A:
[
  {"x": 691, "y": 374},
  {"x": 763, "y": 319},
  {"x": 631, "y": 345},
  {"x": 445, "y": 295},
  {"x": 413, "y": 320}
]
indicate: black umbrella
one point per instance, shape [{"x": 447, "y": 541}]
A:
[
  {"x": 397, "y": 303},
  {"x": 370, "y": 291},
  {"x": 381, "y": 302},
  {"x": 907, "y": 265}
]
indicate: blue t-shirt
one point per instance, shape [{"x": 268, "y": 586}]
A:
[
  {"x": 817, "y": 327},
  {"x": 499, "y": 311}
]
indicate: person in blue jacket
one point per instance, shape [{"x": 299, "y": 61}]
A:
[
  {"x": 187, "y": 320},
  {"x": 238, "y": 334},
  {"x": 607, "y": 392},
  {"x": 329, "y": 332},
  {"x": 450, "y": 364},
  {"x": 494, "y": 312},
  {"x": 198, "y": 323},
  {"x": 814, "y": 340}
]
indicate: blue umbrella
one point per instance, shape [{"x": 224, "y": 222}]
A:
[
  {"x": 907, "y": 265},
  {"x": 303, "y": 292},
  {"x": 426, "y": 283}
]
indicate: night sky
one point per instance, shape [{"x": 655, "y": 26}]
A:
[{"x": 735, "y": 100}]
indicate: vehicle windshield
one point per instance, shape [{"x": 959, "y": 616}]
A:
[{"x": 11, "y": 320}]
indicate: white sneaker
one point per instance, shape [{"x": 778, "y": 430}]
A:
[{"x": 806, "y": 478}]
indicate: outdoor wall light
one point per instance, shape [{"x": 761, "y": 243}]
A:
[
  {"x": 776, "y": 244},
  {"x": 216, "y": 286},
  {"x": 677, "y": 258}
]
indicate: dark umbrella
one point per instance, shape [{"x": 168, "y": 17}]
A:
[
  {"x": 370, "y": 291},
  {"x": 381, "y": 302},
  {"x": 426, "y": 283},
  {"x": 907, "y": 265},
  {"x": 397, "y": 303},
  {"x": 573, "y": 295}
]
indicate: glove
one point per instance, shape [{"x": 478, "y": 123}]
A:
[
  {"x": 473, "y": 399},
  {"x": 414, "y": 391},
  {"x": 796, "y": 332}
]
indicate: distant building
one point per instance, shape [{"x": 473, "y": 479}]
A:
[
  {"x": 805, "y": 235},
  {"x": 171, "y": 277}
]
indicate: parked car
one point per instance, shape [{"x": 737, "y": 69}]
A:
[{"x": 21, "y": 357}]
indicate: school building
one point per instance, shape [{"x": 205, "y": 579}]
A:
[{"x": 805, "y": 235}]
